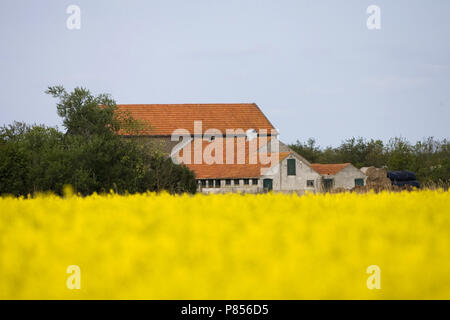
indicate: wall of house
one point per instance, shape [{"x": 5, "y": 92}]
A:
[
  {"x": 281, "y": 181},
  {"x": 346, "y": 177},
  {"x": 240, "y": 188},
  {"x": 285, "y": 183}
]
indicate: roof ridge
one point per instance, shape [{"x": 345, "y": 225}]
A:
[
  {"x": 264, "y": 116},
  {"x": 329, "y": 168},
  {"x": 331, "y": 164},
  {"x": 186, "y": 104}
]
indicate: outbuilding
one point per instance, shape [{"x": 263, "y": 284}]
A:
[{"x": 339, "y": 175}]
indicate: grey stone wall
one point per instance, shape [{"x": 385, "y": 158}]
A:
[
  {"x": 284, "y": 182},
  {"x": 346, "y": 177}
]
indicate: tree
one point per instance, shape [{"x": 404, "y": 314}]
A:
[
  {"x": 14, "y": 161},
  {"x": 429, "y": 158},
  {"x": 432, "y": 160},
  {"x": 309, "y": 150},
  {"x": 399, "y": 155},
  {"x": 90, "y": 155},
  {"x": 87, "y": 115},
  {"x": 164, "y": 175},
  {"x": 361, "y": 153}
]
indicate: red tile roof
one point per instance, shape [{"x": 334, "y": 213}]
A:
[
  {"x": 330, "y": 169},
  {"x": 165, "y": 118},
  {"x": 234, "y": 170}
]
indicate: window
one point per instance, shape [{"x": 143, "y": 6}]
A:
[
  {"x": 236, "y": 182},
  {"x": 310, "y": 183},
  {"x": 359, "y": 182},
  {"x": 210, "y": 183},
  {"x": 246, "y": 181},
  {"x": 228, "y": 182},
  {"x": 203, "y": 183},
  {"x": 291, "y": 167},
  {"x": 218, "y": 183},
  {"x": 255, "y": 182}
]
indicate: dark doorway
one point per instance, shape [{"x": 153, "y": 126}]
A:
[
  {"x": 267, "y": 184},
  {"x": 328, "y": 184}
]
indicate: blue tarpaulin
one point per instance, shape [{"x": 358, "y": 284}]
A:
[
  {"x": 401, "y": 175},
  {"x": 403, "y": 178}
]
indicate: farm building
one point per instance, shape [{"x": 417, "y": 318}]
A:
[
  {"x": 256, "y": 171},
  {"x": 230, "y": 147},
  {"x": 339, "y": 175}
]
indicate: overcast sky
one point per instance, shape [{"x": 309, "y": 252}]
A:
[{"x": 312, "y": 66}]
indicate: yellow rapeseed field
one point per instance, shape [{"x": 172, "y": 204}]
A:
[{"x": 232, "y": 246}]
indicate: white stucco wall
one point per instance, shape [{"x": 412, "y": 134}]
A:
[
  {"x": 240, "y": 188},
  {"x": 346, "y": 177},
  {"x": 283, "y": 182},
  {"x": 280, "y": 179}
]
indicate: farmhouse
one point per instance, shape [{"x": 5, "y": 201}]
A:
[
  {"x": 256, "y": 170},
  {"x": 339, "y": 175},
  {"x": 235, "y": 148},
  {"x": 230, "y": 147}
]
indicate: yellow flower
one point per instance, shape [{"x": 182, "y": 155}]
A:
[{"x": 232, "y": 246}]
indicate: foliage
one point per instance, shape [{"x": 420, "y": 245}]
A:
[
  {"x": 90, "y": 155},
  {"x": 164, "y": 175},
  {"x": 86, "y": 115},
  {"x": 429, "y": 159}
]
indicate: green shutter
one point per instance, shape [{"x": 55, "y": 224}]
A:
[
  {"x": 359, "y": 182},
  {"x": 291, "y": 167}
]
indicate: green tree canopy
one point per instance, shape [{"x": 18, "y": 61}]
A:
[
  {"x": 90, "y": 155},
  {"x": 429, "y": 158}
]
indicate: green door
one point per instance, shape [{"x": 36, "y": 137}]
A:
[{"x": 267, "y": 184}]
